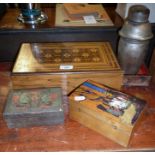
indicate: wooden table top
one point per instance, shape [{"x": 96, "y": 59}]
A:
[{"x": 72, "y": 136}]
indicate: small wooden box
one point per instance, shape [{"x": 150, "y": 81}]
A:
[
  {"x": 65, "y": 65},
  {"x": 34, "y": 107},
  {"x": 105, "y": 110}
]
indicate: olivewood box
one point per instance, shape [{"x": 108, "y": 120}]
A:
[
  {"x": 106, "y": 111},
  {"x": 65, "y": 65},
  {"x": 34, "y": 107}
]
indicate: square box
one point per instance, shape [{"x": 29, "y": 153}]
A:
[
  {"x": 106, "y": 110},
  {"x": 34, "y": 107}
]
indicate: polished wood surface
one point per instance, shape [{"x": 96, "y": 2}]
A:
[
  {"x": 80, "y": 56},
  {"x": 67, "y": 81},
  {"x": 39, "y": 65},
  {"x": 71, "y": 136},
  {"x": 86, "y": 112}
]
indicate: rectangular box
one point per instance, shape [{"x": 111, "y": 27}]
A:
[
  {"x": 65, "y": 65},
  {"x": 142, "y": 78},
  {"x": 34, "y": 107},
  {"x": 63, "y": 20},
  {"x": 106, "y": 111},
  {"x": 137, "y": 80}
]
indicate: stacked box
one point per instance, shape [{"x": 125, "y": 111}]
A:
[
  {"x": 106, "y": 110},
  {"x": 34, "y": 107}
]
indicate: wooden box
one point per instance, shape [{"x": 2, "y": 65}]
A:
[
  {"x": 142, "y": 78},
  {"x": 34, "y": 107},
  {"x": 65, "y": 65},
  {"x": 106, "y": 111}
]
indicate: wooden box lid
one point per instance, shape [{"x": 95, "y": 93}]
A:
[
  {"x": 113, "y": 105},
  {"x": 65, "y": 57},
  {"x": 34, "y": 101},
  {"x": 34, "y": 107}
]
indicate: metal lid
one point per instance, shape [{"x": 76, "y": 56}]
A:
[
  {"x": 137, "y": 26},
  {"x": 139, "y": 31},
  {"x": 138, "y": 13}
]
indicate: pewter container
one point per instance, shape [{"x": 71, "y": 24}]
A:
[{"x": 134, "y": 40}]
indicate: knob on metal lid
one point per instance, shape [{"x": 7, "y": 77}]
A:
[{"x": 138, "y": 13}]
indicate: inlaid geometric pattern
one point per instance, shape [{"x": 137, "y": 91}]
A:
[
  {"x": 80, "y": 56},
  {"x": 83, "y": 53},
  {"x": 67, "y": 55}
]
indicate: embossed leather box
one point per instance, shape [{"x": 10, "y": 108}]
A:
[
  {"x": 106, "y": 110},
  {"x": 65, "y": 65},
  {"x": 34, "y": 107}
]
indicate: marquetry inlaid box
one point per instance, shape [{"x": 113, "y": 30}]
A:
[{"x": 65, "y": 65}]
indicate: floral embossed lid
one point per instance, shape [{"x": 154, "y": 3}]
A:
[{"x": 34, "y": 101}]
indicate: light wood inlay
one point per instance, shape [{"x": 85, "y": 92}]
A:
[{"x": 38, "y": 65}]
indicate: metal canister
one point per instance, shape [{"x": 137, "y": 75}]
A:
[
  {"x": 134, "y": 40},
  {"x": 31, "y": 14}
]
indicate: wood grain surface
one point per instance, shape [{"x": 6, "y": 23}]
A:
[
  {"x": 88, "y": 113},
  {"x": 39, "y": 65},
  {"x": 48, "y": 57},
  {"x": 71, "y": 136}
]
